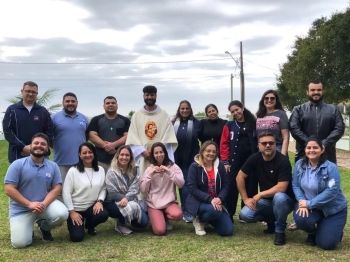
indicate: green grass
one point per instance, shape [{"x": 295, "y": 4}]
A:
[{"x": 181, "y": 244}]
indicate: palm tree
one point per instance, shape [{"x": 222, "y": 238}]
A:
[{"x": 41, "y": 100}]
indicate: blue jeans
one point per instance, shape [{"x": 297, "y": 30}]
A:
[
  {"x": 220, "y": 220},
  {"x": 275, "y": 210},
  {"x": 22, "y": 226},
  {"x": 114, "y": 212},
  {"x": 329, "y": 230}
]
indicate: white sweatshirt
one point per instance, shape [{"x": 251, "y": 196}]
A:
[{"x": 82, "y": 190}]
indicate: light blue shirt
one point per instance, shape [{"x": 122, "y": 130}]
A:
[
  {"x": 69, "y": 134},
  {"x": 33, "y": 181},
  {"x": 309, "y": 183}
]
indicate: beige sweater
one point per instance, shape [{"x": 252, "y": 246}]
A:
[{"x": 160, "y": 188}]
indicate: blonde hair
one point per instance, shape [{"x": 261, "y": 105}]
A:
[
  {"x": 131, "y": 165},
  {"x": 202, "y": 149}
]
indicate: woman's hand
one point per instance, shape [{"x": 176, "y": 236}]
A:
[
  {"x": 163, "y": 169},
  {"x": 76, "y": 218},
  {"x": 97, "y": 208},
  {"x": 302, "y": 204},
  {"x": 216, "y": 202},
  {"x": 227, "y": 168},
  {"x": 156, "y": 169},
  {"x": 303, "y": 212},
  {"x": 123, "y": 202}
]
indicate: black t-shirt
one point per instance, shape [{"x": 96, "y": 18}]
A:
[
  {"x": 243, "y": 135},
  {"x": 269, "y": 173},
  {"x": 108, "y": 130}
]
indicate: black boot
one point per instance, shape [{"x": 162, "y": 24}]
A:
[
  {"x": 311, "y": 240},
  {"x": 280, "y": 239}
]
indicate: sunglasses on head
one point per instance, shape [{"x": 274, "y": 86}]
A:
[
  {"x": 272, "y": 98},
  {"x": 270, "y": 143}
]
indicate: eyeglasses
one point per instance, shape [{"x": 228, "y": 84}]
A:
[
  {"x": 211, "y": 151},
  {"x": 30, "y": 92},
  {"x": 271, "y": 98},
  {"x": 270, "y": 143}
]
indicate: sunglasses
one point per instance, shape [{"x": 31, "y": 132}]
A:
[
  {"x": 270, "y": 143},
  {"x": 272, "y": 98}
]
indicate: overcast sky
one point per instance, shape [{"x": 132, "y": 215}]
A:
[{"x": 137, "y": 31}]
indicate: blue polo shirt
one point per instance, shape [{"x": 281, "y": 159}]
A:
[
  {"x": 69, "y": 133},
  {"x": 33, "y": 181}
]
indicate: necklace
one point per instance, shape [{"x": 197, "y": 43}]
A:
[{"x": 92, "y": 176}]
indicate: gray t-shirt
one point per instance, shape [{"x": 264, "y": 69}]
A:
[
  {"x": 274, "y": 123},
  {"x": 108, "y": 130}
]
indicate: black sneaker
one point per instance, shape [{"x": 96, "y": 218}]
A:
[
  {"x": 280, "y": 239},
  {"x": 91, "y": 231},
  {"x": 270, "y": 228},
  {"x": 311, "y": 240},
  {"x": 45, "y": 235}
]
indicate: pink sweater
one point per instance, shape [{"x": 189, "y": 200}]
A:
[{"x": 160, "y": 187}]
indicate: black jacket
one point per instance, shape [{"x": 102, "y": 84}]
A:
[
  {"x": 197, "y": 182},
  {"x": 323, "y": 120}
]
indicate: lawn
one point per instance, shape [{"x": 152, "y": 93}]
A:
[{"x": 181, "y": 244}]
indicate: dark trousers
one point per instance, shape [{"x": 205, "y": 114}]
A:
[
  {"x": 218, "y": 219},
  {"x": 251, "y": 183},
  {"x": 76, "y": 232},
  {"x": 114, "y": 212},
  {"x": 183, "y": 192},
  {"x": 328, "y": 230}
]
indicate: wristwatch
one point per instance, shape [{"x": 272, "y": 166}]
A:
[{"x": 100, "y": 200}]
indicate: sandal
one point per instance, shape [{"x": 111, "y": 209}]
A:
[{"x": 292, "y": 227}]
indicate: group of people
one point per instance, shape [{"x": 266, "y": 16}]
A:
[{"x": 132, "y": 169}]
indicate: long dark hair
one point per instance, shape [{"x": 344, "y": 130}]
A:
[
  {"x": 80, "y": 165},
  {"x": 191, "y": 117},
  {"x": 262, "y": 108},
  {"x": 323, "y": 156},
  {"x": 166, "y": 160},
  {"x": 249, "y": 118},
  {"x": 213, "y": 106}
]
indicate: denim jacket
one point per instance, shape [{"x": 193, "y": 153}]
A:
[{"x": 330, "y": 198}]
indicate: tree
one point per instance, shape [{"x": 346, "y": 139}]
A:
[
  {"x": 41, "y": 100},
  {"x": 131, "y": 114},
  {"x": 323, "y": 54}
]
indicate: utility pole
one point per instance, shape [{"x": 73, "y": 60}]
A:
[
  {"x": 231, "y": 87},
  {"x": 242, "y": 75}
]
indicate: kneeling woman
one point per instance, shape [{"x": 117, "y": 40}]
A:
[
  {"x": 159, "y": 184},
  {"x": 208, "y": 187},
  {"x": 84, "y": 191},
  {"x": 123, "y": 186},
  {"x": 322, "y": 208}
]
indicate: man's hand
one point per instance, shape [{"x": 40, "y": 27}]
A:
[
  {"x": 108, "y": 147},
  {"x": 146, "y": 154},
  {"x": 251, "y": 203},
  {"x": 257, "y": 197},
  {"x": 37, "y": 207},
  {"x": 26, "y": 151}
]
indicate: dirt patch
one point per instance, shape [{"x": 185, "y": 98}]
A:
[{"x": 343, "y": 156}]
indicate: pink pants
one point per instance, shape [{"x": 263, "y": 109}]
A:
[{"x": 159, "y": 216}]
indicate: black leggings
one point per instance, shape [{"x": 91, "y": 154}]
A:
[
  {"x": 76, "y": 232},
  {"x": 251, "y": 183}
]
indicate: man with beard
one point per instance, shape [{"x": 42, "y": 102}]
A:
[
  {"x": 108, "y": 132},
  {"x": 33, "y": 184},
  {"x": 316, "y": 118},
  {"x": 23, "y": 120},
  {"x": 276, "y": 198},
  {"x": 69, "y": 129},
  {"x": 149, "y": 125}
]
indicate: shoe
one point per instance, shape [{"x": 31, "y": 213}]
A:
[
  {"x": 91, "y": 231},
  {"x": 270, "y": 228},
  {"x": 122, "y": 229},
  {"x": 45, "y": 235},
  {"x": 292, "y": 227},
  {"x": 242, "y": 221},
  {"x": 168, "y": 226},
  {"x": 199, "y": 228},
  {"x": 280, "y": 239},
  {"x": 311, "y": 240}
]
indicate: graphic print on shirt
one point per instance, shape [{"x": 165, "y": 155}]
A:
[
  {"x": 268, "y": 122},
  {"x": 151, "y": 130}
]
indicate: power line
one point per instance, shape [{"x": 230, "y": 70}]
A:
[
  {"x": 112, "y": 63},
  {"x": 261, "y": 65}
]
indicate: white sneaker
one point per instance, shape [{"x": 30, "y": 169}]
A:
[
  {"x": 168, "y": 226},
  {"x": 199, "y": 228}
]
